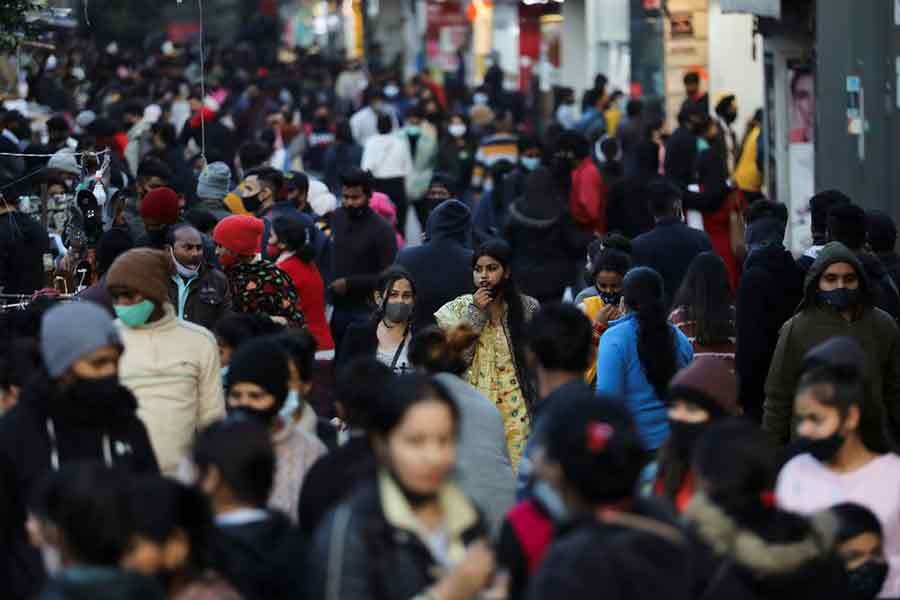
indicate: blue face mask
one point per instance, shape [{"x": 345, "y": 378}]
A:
[
  {"x": 551, "y": 500},
  {"x": 530, "y": 163},
  {"x": 223, "y": 373},
  {"x": 413, "y": 130},
  {"x": 292, "y": 402},
  {"x": 136, "y": 314}
]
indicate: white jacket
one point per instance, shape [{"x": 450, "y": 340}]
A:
[
  {"x": 387, "y": 156},
  {"x": 172, "y": 367}
]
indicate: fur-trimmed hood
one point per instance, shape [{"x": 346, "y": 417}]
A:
[{"x": 750, "y": 550}]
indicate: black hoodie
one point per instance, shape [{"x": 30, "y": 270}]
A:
[
  {"x": 442, "y": 267},
  {"x": 545, "y": 240},
  {"x": 770, "y": 289},
  {"x": 263, "y": 559},
  {"x": 25, "y": 459}
]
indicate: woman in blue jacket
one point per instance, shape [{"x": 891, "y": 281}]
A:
[{"x": 640, "y": 353}]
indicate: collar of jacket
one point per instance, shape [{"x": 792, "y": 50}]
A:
[
  {"x": 746, "y": 548},
  {"x": 459, "y": 515}
]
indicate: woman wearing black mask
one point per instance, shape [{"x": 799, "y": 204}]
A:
[
  {"x": 600, "y": 302},
  {"x": 387, "y": 334},
  {"x": 257, "y": 386},
  {"x": 702, "y": 393},
  {"x": 860, "y": 541},
  {"x": 837, "y": 465},
  {"x": 409, "y": 532}
]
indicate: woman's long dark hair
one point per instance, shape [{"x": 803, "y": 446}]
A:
[
  {"x": 643, "y": 293},
  {"x": 500, "y": 251},
  {"x": 705, "y": 296}
]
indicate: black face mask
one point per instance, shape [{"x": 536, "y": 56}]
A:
[
  {"x": 357, "y": 212},
  {"x": 415, "y": 499},
  {"x": 93, "y": 402},
  {"x": 263, "y": 418},
  {"x": 610, "y": 297},
  {"x": 823, "y": 450},
  {"x": 840, "y": 298},
  {"x": 683, "y": 436},
  {"x": 867, "y": 579},
  {"x": 252, "y": 204}
]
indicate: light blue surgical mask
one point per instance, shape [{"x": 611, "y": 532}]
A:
[
  {"x": 223, "y": 373},
  {"x": 413, "y": 130},
  {"x": 530, "y": 163},
  {"x": 551, "y": 500},
  {"x": 292, "y": 402},
  {"x": 136, "y": 314}
]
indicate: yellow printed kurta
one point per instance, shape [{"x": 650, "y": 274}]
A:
[{"x": 493, "y": 370}]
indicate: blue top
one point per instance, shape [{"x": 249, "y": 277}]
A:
[{"x": 620, "y": 372}]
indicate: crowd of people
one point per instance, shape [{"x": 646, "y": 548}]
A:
[{"x": 231, "y": 369}]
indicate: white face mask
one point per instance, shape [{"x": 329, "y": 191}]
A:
[
  {"x": 292, "y": 402},
  {"x": 183, "y": 270},
  {"x": 457, "y": 130},
  {"x": 52, "y": 559},
  {"x": 480, "y": 99}
]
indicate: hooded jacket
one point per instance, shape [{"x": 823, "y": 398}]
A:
[
  {"x": 874, "y": 330},
  {"x": 791, "y": 558},
  {"x": 441, "y": 268},
  {"x": 770, "y": 289},
  {"x": 26, "y": 448},
  {"x": 262, "y": 558},
  {"x": 884, "y": 291},
  {"x": 545, "y": 240}
]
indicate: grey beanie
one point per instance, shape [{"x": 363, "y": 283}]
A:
[
  {"x": 64, "y": 160},
  {"x": 214, "y": 182},
  {"x": 72, "y": 330}
]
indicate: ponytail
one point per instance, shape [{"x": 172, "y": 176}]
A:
[
  {"x": 439, "y": 351},
  {"x": 643, "y": 292}
]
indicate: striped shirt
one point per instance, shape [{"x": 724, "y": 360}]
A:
[
  {"x": 493, "y": 149},
  {"x": 680, "y": 318}
]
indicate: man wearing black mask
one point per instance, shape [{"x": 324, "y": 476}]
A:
[
  {"x": 363, "y": 245},
  {"x": 837, "y": 300},
  {"x": 78, "y": 411}
]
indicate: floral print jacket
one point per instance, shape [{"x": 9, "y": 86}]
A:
[{"x": 261, "y": 287}]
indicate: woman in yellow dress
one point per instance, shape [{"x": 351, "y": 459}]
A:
[{"x": 498, "y": 312}]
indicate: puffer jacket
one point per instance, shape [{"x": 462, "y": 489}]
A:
[
  {"x": 373, "y": 549},
  {"x": 790, "y": 557},
  {"x": 874, "y": 330}
]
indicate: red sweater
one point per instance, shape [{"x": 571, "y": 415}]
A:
[
  {"x": 311, "y": 294},
  {"x": 587, "y": 200}
]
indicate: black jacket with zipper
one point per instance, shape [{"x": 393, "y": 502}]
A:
[{"x": 208, "y": 299}]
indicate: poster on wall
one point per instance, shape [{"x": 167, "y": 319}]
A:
[{"x": 801, "y": 152}]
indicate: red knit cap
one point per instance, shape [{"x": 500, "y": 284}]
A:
[
  {"x": 242, "y": 234},
  {"x": 161, "y": 205}
]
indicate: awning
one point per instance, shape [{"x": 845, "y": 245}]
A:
[{"x": 762, "y": 8}]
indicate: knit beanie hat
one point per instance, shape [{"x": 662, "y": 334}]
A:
[
  {"x": 261, "y": 361},
  {"x": 449, "y": 219},
  {"x": 841, "y": 355},
  {"x": 64, "y": 160},
  {"x": 710, "y": 383},
  {"x": 766, "y": 229},
  {"x": 143, "y": 270},
  {"x": 242, "y": 234},
  {"x": 214, "y": 181},
  {"x": 72, "y": 330},
  {"x": 161, "y": 205}
]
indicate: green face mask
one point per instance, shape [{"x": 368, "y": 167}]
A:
[{"x": 136, "y": 314}]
